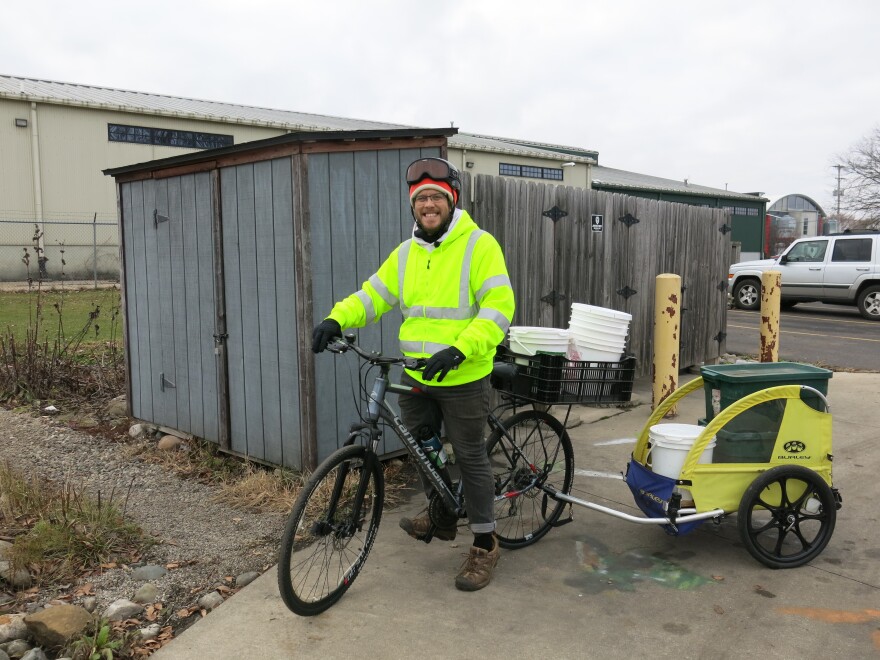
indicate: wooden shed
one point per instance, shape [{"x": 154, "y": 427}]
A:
[{"x": 229, "y": 257}]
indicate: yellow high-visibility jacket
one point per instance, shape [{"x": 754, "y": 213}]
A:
[{"x": 457, "y": 293}]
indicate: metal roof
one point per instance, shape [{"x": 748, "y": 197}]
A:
[
  {"x": 287, "y": 138},
  {"x": 613, "y": 178},
  {"x": 29, "y": 89}
]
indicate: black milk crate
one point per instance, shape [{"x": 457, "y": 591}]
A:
[{"x": 554, "y": 380}]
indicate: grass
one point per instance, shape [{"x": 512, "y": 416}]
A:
[
  {"x": 59, "y": 532},
  {"x": 59, "y": 312}
]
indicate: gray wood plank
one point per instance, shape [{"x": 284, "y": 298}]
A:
[
  {"x": 207, "y": 305},
  {"x": 269, "y": 441},
  {"x": 154, "y": 301},
  {"x": 131, "y": 227},
  {"x": 234, "y": 322},
  {"x": 192, "y": 307},
  {"x": 166, "y": 307},
  {"x": 177, "y": 272},
  {"x": 288, "y": 452},
  {"x": 322, "y": 234},
  {"x": 250, "y": 309},
  {"x": 344, "y": 247}
]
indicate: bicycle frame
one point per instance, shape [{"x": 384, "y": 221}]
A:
[{"x": 379, "y": 407}]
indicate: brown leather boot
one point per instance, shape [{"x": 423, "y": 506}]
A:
[
  {"x": 476, "y": 572},
  {"x": 418, "y": 528}
]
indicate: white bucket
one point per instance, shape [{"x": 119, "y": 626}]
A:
[
  {"x": 586, "y": 354},
  {"x": 618, "y": 330},
  {"x": 600, "y": 311},
  {"x": 601, "y": 343},
  {"x": 529, "y": 340},
  {"x": 670, "y": 444}
]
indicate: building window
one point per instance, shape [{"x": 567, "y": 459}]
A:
[
  {"x": 166, "y": 137},
  {"x": 509, "y": 169},
  {"x": 806, "y": 226}
]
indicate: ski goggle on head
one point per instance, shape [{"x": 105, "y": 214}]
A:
[{"x": 431, "y": 168}]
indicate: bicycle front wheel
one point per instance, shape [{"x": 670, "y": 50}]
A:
[
  {"x": 330, "y": 530},
  {"x": 530, "y": 452}
]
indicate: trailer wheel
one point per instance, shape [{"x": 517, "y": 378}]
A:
[{"x": 786, "y": 516}]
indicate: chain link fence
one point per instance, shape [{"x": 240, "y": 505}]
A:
[{"x": 54, "y": 250}]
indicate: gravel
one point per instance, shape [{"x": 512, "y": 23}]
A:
[{"x": 208, "y": 540}]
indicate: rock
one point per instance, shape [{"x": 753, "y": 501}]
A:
[
  {"x": 211, "y": 600},
  {"x": 5, "y": 549},
  {"x": 117, "y": 407},
  {"x": 34, "y": 654},
  {"x": 85, "y": 421},
  {"x": 138, "y": 430},
  {"x": 122, "y": 609},
  {"x": 89, "y": 603},
  {"x": 5, "y": 598},
  {"x": 246, "y": 578},
  {"x": 3, "y": 655},
  {"x": 17, "y": 648},
  {"x": 169, "y": 442},
  {"x": 146, "y": 594},
  {"x": 55, "y": 626},
  {"x": 150, "y": 632},
  {"x": 20, "y": 579},
  {"x": 150, "y": 572},
  {"x": 12, "y": 627}
]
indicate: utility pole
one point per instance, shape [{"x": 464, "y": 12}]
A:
[{"x": 838, "y": 192}]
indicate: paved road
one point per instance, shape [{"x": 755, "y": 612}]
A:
[{"x": 830, "y": 335}]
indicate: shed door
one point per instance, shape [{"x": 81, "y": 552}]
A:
[
  {"x": 259, "y": 259},
  {"x": 170, "y": 302}
]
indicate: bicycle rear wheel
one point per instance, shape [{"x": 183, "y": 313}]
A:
[
  {"x": 533, "y": 450},
  {"x": 325, "y": 544}
]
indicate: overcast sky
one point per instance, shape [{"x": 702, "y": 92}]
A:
[{"x": 755, "y": 95}]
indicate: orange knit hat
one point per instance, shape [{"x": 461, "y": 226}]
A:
[{"x": 431, "y": 184}]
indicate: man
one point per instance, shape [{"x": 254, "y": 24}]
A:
[{"x": 451, "y": 284}]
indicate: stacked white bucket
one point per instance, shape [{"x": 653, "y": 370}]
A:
[{"x": 598, "y": 333}]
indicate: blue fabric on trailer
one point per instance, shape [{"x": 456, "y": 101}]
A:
[{"x": 652, "y": 492}]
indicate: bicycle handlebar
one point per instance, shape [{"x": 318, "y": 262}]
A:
[{"x": 347, "y": 343}]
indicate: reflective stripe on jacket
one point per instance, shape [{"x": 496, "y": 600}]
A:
[{"x": 455, "y": 294}]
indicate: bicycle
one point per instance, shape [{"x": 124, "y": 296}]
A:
[{"x": 336, "y": 516}]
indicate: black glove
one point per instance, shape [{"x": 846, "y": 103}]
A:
[
  {"x": 440, "y": 363},
  {"x": 325, "y": 331}
]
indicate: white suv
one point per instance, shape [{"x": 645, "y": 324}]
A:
[{"x": 840, "y": 268}]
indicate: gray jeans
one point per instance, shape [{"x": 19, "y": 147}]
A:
[{"x": 463, "y": 410}]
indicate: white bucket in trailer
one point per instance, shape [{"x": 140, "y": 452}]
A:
[{"x": 670, "y": 445}]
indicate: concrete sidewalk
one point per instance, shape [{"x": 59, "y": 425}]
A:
[{"x": 598, "y": 587}]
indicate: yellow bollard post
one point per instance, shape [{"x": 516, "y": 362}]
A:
[
  {"x": 771, "y": 297},
  {"x": 667, "y": 311}
]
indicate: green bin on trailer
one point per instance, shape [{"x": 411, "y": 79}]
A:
[{"x": 750, "y": 436}]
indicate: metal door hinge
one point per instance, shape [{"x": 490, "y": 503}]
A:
[
  {"x": 629, "y": 220},
  {"x": 164, "y": 383},
  {"x": 626, "y": 292},
  {"x": 157, "y": 218},
  {"x": 553, "y": 297},
  {"x": 555, "y": 214}
]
